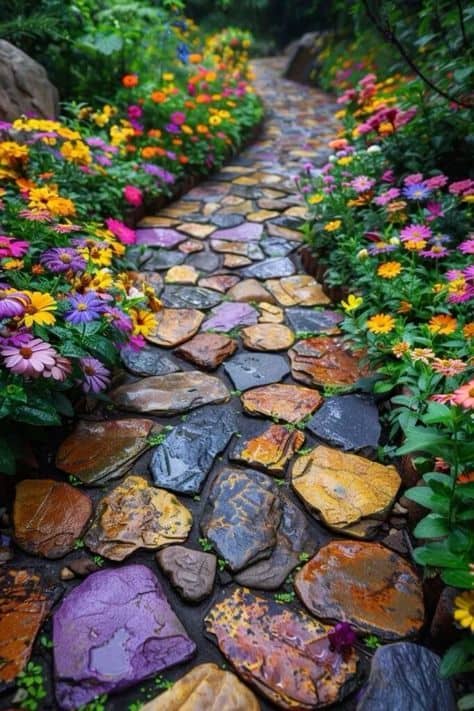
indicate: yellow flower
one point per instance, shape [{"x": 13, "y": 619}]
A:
[
  {"x": 39, "y": 309},
  {"x": 415, "y": 245},
  {"x": 442, "y": 324},
  {"x": 389, "y": 270},
  {"x": 464, "y": 610},
  {"x": 101, "y": 281},
  {"x": 143, "y": 322},
  {"x": 353, "y": 302},
  {"x": 381, "y": 323},
  {"x": 345, "y": 160},
  {"x": 168, "y": 76},
  {"x": 399, "y": 349},
  {"x": 315, "y": 198},
  {"x": 61, "y": 207},
  {"x": 13, "y": 264},
  {"x": 187, "y": 129},
  {"x": 215, "y": 121},
  {"x": 102, "y": 256},
  {"x": 332, "y": 226}
]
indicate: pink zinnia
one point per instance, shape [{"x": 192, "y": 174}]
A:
[
  {"x": 60, "y": 370},
  {"x": 388, "y": 177},
  {"x": 437, "y": 181},
  {"x": 461, "y": 186},
  {"x": 413, "y": 179},
  {"x": 134, "y": 111},
  {"x": 10, "y": 247},
  {"x": 415, "y": 232},
  {"x": 362, "y": 183},
  {"x": 30, "y": 358},
  {"x": 133, "y": 195},
  {"x": 435, "y": 210},
  {"x": 387, "y": 197},
  {"x": 123, "y": 233},
  {"x": 178, "y": 118},
  {"x": 464, "y": 396}
]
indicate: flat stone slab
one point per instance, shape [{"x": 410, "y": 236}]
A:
[
  {"x": 207, "y": 350},
  {"x": 135, "y": 515},
  {"x": 299, "y": 290},
  {"x": 350, "y": 422},
  {"x": 148, "y": 361},
  {"x": 162, "y": 259},
  {"x": 349, "y": 493},
  {"x": 48, "y": 516},
  {"x": 406, "y": 676},
  {"x": 244, "y": 249},
  {"x": 188, "y": 297},
  {"x": 237, "y": 499},
  {"x": 190, "y": 246},
  {"x": 277, "y": 246},
  {"x": 205, "y": 261},
  {"x": 291, "y": 403},
  {"x": 159, "y": 237},
  {"x": 284, "y": 653},
  {"x": 235, "y": 261},
  {"x": 270, "y": 313},
  {"x": 205, "y": 688},
  {"x": 181, "y": 274},
  {"x": 220, "y": 282},
  {"x": 170, "y": 394},
  {"x": 24, "y": 605},
  {"x": 97, "y": 452},
  {"x": 112, "y": 631},
  {"x": 326, "y": 360},
  {"x": 229, "y": 315},
  {"x": 250, "y": 290},
  {"x": 270, "y": 450},
  {"x": 195, "y": 229},
  {"x": 312, "y": 321},
  {"x": 246, "y": 232},
  {"x": 225, "y": 220},
  {"x": 175, "y": 326},
  {"x": 365, "y": 584},
  {"x": 268, "y": 337},
  {"x": 191, "y": 572},
  {"x": 248, "y": 370},
  {"x": 182, "y": 462},
  {"x": 273, "y": 268}
]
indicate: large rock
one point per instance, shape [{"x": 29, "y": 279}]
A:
[
  {"x": 48, "y": 516},
  {"x": 406, "y": 676},
  {"x": 247, "y": 370},
  {"x": 302, "y": 60},
  {"x": 206, "y": 688},
  {"x": 98, "y": 451},
  {"x": 135, "y": 515},
  {"x": 191, "y": 572},
  {"x": 113, "y": 630},
  {"x": 207, "y": 350},
  {"x": 349, "y": 422},
  {"x": 24, "y": 86},
  {"x": 267, "y": 337},
  {"x": 182, "y": 462},
  {"x": 284, "y": 653},
  {"x": 237, "y": 502},
  {"x": 324, "y": 360},
  {"x": 170, "y": 394},
  {"x": 270, "y": 449},
  {"x": 290, "y": 403},
  {"x": 175, "y": 326},
  {"x": 365, "y": 584},
  {"x": 351, "y": 494}
]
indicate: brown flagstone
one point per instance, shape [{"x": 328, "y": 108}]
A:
[
  {"x": 175, "y": 326},
  {"x": 220, "y": 282},
  {"x": 298, "y": 290},
  {"x": 291, "y": 403},
  {"x": 196, "y": 229},
  {"x": 156, "y": 221},
  {"x": 267, "y": 337},
  {"x": 270, "y": 313},
  {"x": 181, "y": 274},
  {"x": 233, "y": 261},
  {"x": 180, "y": 208},
  {"x": 271, "y": 450},
  {"x": 250, "y": 290},
  {"x": 280, "y": 231},
  {"x": 262, "y": 215},
  {"x": 191, "y": 572},
  {"x": 207, "y": 350},
  {"x": 325, "y": 360},
  {"x": 190, "y": 246}
]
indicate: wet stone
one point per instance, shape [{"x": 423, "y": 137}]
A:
[
  {"x": 220, "y": 283},
  {"x": 277, "y": 247},
  {"x": 227, "y": 316},
  {"x": 205, "y": 261},
  {"x": 351, "y": 494},
  {"x": 226, "y": 220},
  {"x": 350, "y": 422},
  {"x": 148, "y": 361},
  {"x": 170, "y": 394},
  {"x": 291, "y": 403},
  {"x": 207, "y": 350},
  {"x": 365, "y": 584},
  {"x": 311, "y": 321},
  {"x": 191, "y": 572},
  {"x": 238, "y": 499},
  {"x": 175, "y": 326},
  {"x": 271, "y": 268},
  {"x": 270, "y": 448},
  {"x": 182, "y": 274},
  {"x": 244, "y": 249},
  {"x": 248, "y": 370},
  {"x": 160, "y": 260},
  {"x": 136, "y": 515},
  {"x": 299, "y": 290},
  {"x": 406, "y": 676},
  {"x": 24, "y": 605},
  {"x": 48, "y": 516},
  {"x": 159, "y": 237},
  {"x": 112, "y": 631},
  {"x": 99, "y": 451},
  {"x": 182, "y": 462},
  {"x": 205, "y": 688},
  {"x": 249, "y": 290},
  {"x": 234, "y": 261},
  {"x": 188, "y": 297},
  {"x": 325, "y": 360},
  {"x": 284, "y": 653},
  {"x": 268, "y": 337},
  {"x": 246, "y": 232}
]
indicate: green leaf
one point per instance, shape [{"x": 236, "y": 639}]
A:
[
  {"x": 455, "y": 657},
  {"x": 465, "y": 491},
  {"x": 7, "y": 458},
  {"x": 423, "y": 439},
  {"x": 437, "y": 555},
  {"x": 466, "y": 702},
  {"x": 424, "y": 496},
  {"x": 102, "y": 43},
  {"x": 71, "y": 350},
  {"x": 437, "y": 413},
  {"x": 458, "y": 578},
  {"x": 102, "y": 348},
  {"x": 432, "y": 526},
  {"x": 34, "y": 415}
]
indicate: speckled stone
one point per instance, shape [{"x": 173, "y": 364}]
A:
[
  {"x": 182, "y": 274},
  {"x": 148, "y": 361},
  {"x": 205, "y": 261},
  {"x": 162, "y": 259},
  {"x": 227, "y": 220},
  {"x": 277, "y": 246},
  {"x": 207, "y": 350},
  {"x": 272, "y": 268},
  {"x": 290, "y": 403},
  {"x": 191, "y": 572},
  {"x": 220, "y": 283},
  {"x": 190, "y": 246},
  {"x": 251, "y": 250},
  {"x": 234, "y": 261},
  {"x": 248, "y": 370},
  {"x": 189, "y": 297},
  {"x": 175, "y": 326},
  {"x": 324, "y": 360},
  {"x": 268, "y": 337},
  {"x": 312, "y": 321}
]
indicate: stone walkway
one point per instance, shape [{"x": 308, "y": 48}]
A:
[{"x": 239, "y": 465}]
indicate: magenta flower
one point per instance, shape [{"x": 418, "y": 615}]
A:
[
  {"x": 387, "y": 196},
  {"x": 467, "y": 247},
  {"x": 30, "y": 358},
  {"x": 133, "y": 195},
  {"x": 461, "y": 186},
  {"x": 469, "y": 272},
  {"x": 436, "y": 182},
  {"x": 342, "y": 637},
  {"x": 123, "y": 233},
  {"x": 83, "y": 308},
  {"x": 13, "y": 304},
  {"x": 134, "y": 111},
  {"x": 10, "y": 247},
  {"x": 96, "y": 375},
  {"x": 413, "y": 179},
  {"x": 388, "y": 176},
  {"x": 119, "y": 319},
  {"x": 136, "y": 343},
  {"x": 362, "y": 183},
  {"x": 178, "y": 118},
  {"x": 435, "y": 210},
  {"x": 415, "y": 232},
  {"x": 61, "y": 259}
]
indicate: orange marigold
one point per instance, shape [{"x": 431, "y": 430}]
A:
[
  {"x": 442, "y": 324},
  {"x": 129, "y": 80}
]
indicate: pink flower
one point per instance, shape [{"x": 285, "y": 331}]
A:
[
  {"x": 60, "y": 370},
  {"x": 10, "y": 247},
  {"x": 121, "y": 231},
  {"x": 30, "y": 358},
  {"x": 467, "y": 247},
  {"x": 178, "y": 118},
  {"x": 435, "y": 210},
  {"x": 413, "y": 179},
  {"x": 133, "y": 195},
  {"x": 464, "y": 396},
  {"x": 415, "y": 232},
  {"x": 437, "y": 181},
  {"x": 136, "y": 343},
  {"x": 134, "y": 111},
  {"x": 362, "y": 183},
  {"x": 387, "y": 197},
  {"x": 461, "y": 186},
  {"x": 388, "y": 177}
]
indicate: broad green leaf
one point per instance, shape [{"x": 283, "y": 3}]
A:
[
  {"x": 432, "y": 526},
  {"x": 437, "y": 555},
  {"x": 424, "y": 496},
  {"x": 455, "y": 657},
  {"x": 458, "y": 578}
]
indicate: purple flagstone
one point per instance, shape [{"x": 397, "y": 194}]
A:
[
  {"x": 230, "y": 315},
  {"x": 246, "y": 232},
  {"x": 160, "y": 237},
  {"x": 112, "y": 631}
]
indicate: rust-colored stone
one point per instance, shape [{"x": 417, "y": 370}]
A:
[
  {"x": 325, "y": 361},
  {"x": 136, "y": 515},
  {"x": 364, "y": 584},
  {"x": 98, "y": 451},
  {"x": 290, "y": 403},
  {"x": 268, "y": 337},
  {"x": 283, "y": 653},
  {"x": 299, "y": 290},
  {"x": 350, "y": 493},
  {"x": 175, "y": 326},
  {"x": 234, "y": 261},
  {"x": 207, "y": 350},
  {"x": 48, "y": 516},
  {"x": 221, "y": 282},
  {"x": 271, "y": 450}
]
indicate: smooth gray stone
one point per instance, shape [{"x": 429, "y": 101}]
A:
[
  {"x": 190, "y": 297},
  {"x": 312, "y": 321},
  {"x": 163, "y": 259},
  {"x": 226, "y": 220},
  {"x": 350, "y": 422},
  {"x": 277, "y": 246},
  {"x": 274, "y": 268},
  {"x": 148, "y": 361},
  {"x": 204, "y": 261},
  {"x": 248, "y": 370}
]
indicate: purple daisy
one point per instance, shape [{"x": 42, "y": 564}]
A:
[
  {"x": 467, "y": 247},
  {"x": 119, "y": 319},
  {"x": 415, "y": 232},
  {"x": 13, "y": 304},
  {"x": 61, "y": 259},
  {"x": 96, "y": 375},
  {"x": 381, "y": 248},
  {"x": 83, "y": 308},
  {"x": 416, "y": 191},
  {"x": 30, "y": 358},
  {"x": 436, "y": 251}
]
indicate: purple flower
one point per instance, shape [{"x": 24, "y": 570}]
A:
[
  {"x": 415, "y": 231},
  {"x": 437, "y": 181},
  {"x": 436, "y": 251},
  {"x": 30, "y": 358},
  {"x": 467, "y": 247},
  {"x": 469, "y": 272},
  {"x": 96, "y": 142},
  {"x": 342, "y": 637},
  {"x": 416, "y": 191},
  {"x": 362, "y": 183},
  {"x": 387, "y": 196},
  {"x": 103, "y": 160},
  {"x": 61, "y": 259},
  {"x": 84, "y": 308},
  {"x": 161, "y": 173},
  {"x": 119, "y": 319},
  {"x": 381, "y": 248},
  {"x": 96, "y": 375},
  {"x": 13, "y": 304},
  {"x": 172, "y": 128}
]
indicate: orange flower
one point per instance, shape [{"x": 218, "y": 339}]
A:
[
  {"x": 442, "y": 324},
  {"x": 183, "y": 159},
  {"x": 148, "y": 152},
  {"x": 468, "y": 330},
  {"x": 129, "y": 80},
  {"x": 158, "y": 97},
  {"x": 389, "y": 270},
  {"x": 399, "y": 349},
  {"x": 404, "y": 308},
  {"x": 381, "y": 323},
  {"x": 195, "y": 58}
]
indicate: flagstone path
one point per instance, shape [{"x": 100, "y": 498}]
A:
[{"x": 227, "y": 454}]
